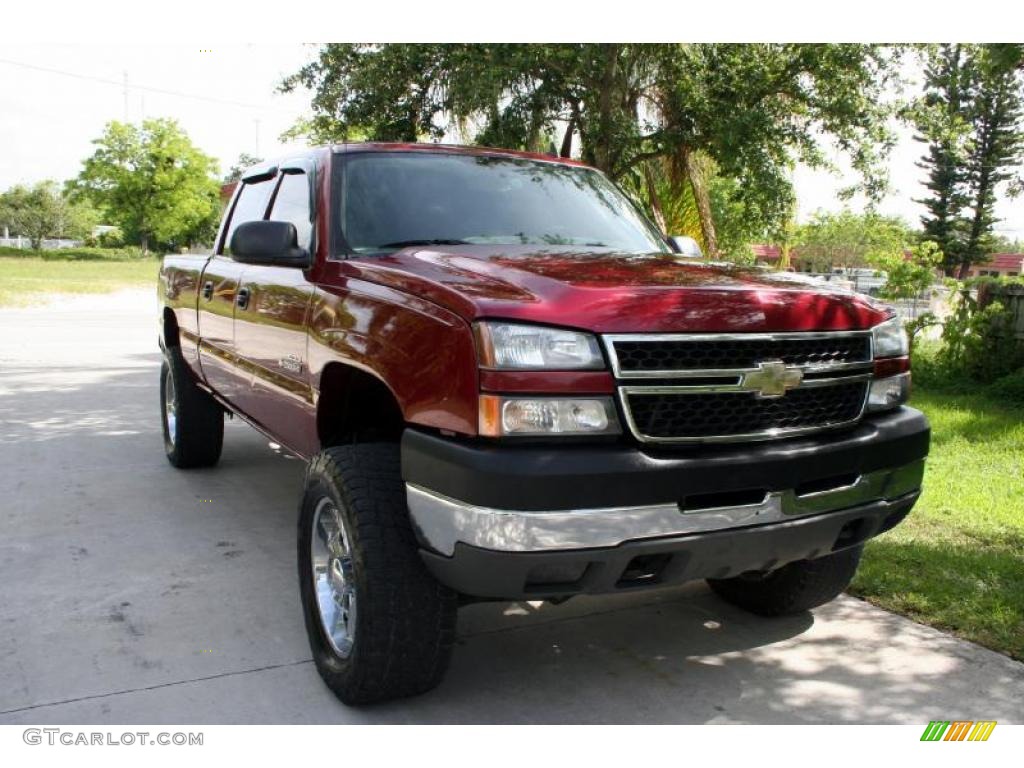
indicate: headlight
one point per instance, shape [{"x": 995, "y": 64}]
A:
[
  {"x": 534, "y": 416},
  {"x": 526, "y": 347},
  {"x": 889, "y": 393},
  {"x": 890, "y": 339}
]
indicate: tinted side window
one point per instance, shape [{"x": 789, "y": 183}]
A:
[
  {"x": 292, "y": 204},
  {"x": 251, "y": 205}
]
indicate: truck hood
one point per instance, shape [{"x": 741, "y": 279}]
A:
[{"x": 609, "y": 292}]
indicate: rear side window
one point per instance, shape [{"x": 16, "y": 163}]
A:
[
  {"x": 250, "y": 206},
  {"x": 292, "y": 204}
]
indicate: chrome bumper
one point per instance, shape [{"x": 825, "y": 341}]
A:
[{"x": 441, "y": 522}]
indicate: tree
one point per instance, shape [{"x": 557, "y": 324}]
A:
[
  {"x": 908, "y": 275},
  {"x": 737, "y": 222},
  {"x": 42, "y": 211},
  {"x": 997, "y": 120},
  {"x": 850, "y": 240},
  {"x": 152, "y": 182},
  {"x": 751, "y": 111},
  {"x": 1004, "y": 244},
  {"x": 242, "y": 164},
  {"x": 970, "y": 116},
  {"x": 940, "y": 119}
]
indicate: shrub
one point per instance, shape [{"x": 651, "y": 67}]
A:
[
  {"x": 124, "y": 253},
  {"x": 978, "y": 338},
  {"x": 112, "y": 238},
  {"x": 1010, "y": 388},
  {"x": 979, "y": 350}
]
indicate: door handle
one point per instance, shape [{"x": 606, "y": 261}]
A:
[
  {"x": 243, "y": 298},
  {"x": 208, "y": 290}
]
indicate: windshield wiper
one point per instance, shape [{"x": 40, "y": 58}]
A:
[{"x": 436, "y": 241}]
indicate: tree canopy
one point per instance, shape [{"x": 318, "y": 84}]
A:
[
  {"x": 243, "y": 163},
  {"x": 42, "y": 211},
  {"x": 851, "y": 240},
  {"x": 748, "y": 111},
  {"x": 152, "y": 182}
]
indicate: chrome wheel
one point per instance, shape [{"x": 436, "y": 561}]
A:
[
  {"x": 170, "y": 407},
  {"x": 333, "y": 577}
]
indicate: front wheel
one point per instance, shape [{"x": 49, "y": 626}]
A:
[
  {"x": 793, "y": 588},
  {"x": 379, "y": 625}
]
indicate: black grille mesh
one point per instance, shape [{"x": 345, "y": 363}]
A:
[
  {"x": 690, "y": 355},
  {"x": 721, "y": 414}
]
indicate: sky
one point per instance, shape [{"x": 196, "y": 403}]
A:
[{"x": 54, "y": 99}]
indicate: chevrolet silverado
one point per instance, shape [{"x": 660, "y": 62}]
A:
[{"x": 509, "y": 385}]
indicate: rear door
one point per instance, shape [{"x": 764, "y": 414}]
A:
[
  {"x": 218, "y": 296},
  {"x": 270, "y": 324}
]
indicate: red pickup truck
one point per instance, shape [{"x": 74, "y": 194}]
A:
[{"x": 509, "y": 385}]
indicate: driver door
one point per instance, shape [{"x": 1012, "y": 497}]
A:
[{"x": 219, "y": 296}]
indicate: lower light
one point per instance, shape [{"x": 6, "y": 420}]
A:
[
  {"x": 547, "y": 416},
  {"x": 889, "y": 393}
]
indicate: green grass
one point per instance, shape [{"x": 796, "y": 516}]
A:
[
  {"x": 27, "y": 280},
  {"x": 957, "y": 562}
]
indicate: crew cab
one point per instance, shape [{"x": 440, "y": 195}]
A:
[{"x": 509, "y": 385}]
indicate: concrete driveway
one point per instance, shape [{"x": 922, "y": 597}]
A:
[{"x": 135, "y": 593}]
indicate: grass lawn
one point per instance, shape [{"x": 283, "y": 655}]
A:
[
  {"x": 957, "y": 562},
  {"x": 25, "y": 280}
]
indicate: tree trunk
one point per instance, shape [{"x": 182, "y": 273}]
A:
[
  {"x": 566, "y": 150},
  {"x": 145, "y": 244},
  {"x": 605, "y": 119},
  {"x": 700, "y": 195},
  {"x": 982, "y": 191},
  {"x": 652, "y": 194}
]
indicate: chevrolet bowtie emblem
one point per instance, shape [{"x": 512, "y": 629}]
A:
[{"x": 772, "y": 378}]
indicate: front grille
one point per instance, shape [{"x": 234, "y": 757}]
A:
[
  {"x": 684, "y": 415},
  {"x": 680, "y": 354},
  {"x": 732, "y": 387}
]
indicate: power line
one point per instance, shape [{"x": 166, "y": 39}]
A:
[{"x": 124, "y": 85}]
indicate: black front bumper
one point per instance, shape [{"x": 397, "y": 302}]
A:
[
  {"x": 643, "y": 564},
  {"x": 573, "y": 477}
]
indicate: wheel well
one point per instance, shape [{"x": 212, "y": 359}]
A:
[
  {"x": 355, "y": 406},
  {"x": 170, "y": 328}
]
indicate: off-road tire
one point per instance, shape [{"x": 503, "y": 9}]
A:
[
  {"x": 793, "y": 588},
  {"x": 198, "y": 421},
  {"x": 405, "y": 627}
]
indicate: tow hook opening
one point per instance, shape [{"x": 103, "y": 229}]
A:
[
  {"x": 552, "y": 578},
  {"x": 643, "y": 569},
  {"x": 854, "y": 532}
]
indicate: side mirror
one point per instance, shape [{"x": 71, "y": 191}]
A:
[
  {"x": 274, "y": 243},
  {"x": 686, "y": 246}
]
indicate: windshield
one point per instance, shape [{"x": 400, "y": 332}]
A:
[{"x": 390, "y": 200}]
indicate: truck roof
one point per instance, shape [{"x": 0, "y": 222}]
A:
[
  {"x": 268, "y": 167},
  {"x": 458, "y": 149}
]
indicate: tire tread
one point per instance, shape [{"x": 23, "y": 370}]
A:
[{"x": 406, "y": 619}]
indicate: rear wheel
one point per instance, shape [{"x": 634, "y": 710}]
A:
[
  {"x": 379, "y": 625},
  {"x": 793, "y": 588},
  {"x": 193, "y": 422}
]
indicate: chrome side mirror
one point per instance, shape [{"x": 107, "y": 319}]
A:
[{"x": 686, "y": 246}]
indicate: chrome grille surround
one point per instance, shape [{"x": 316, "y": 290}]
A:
[{"x": 739, "y": 379}]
